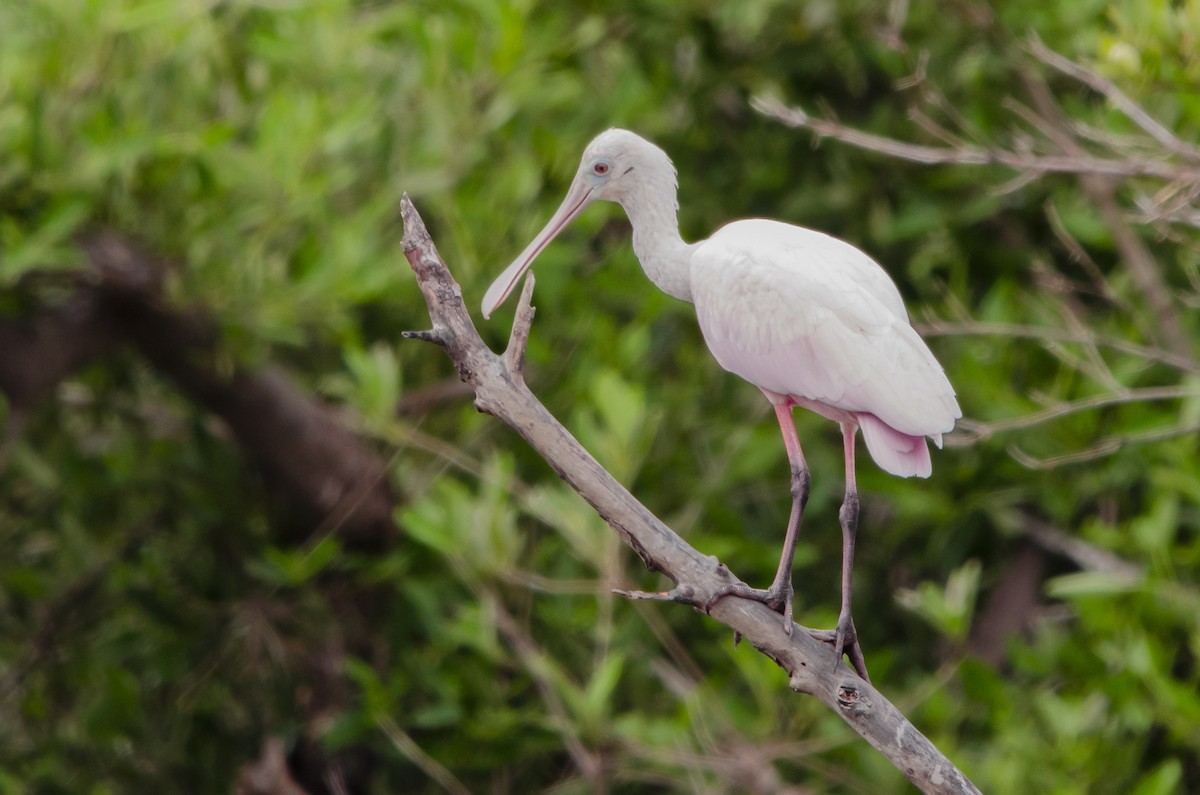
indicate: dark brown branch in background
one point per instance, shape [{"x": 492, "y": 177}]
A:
[
  {"x": 1011, "y": 607},
  {"x": 41, "y": 351},
  {"x": 306, "y": 454},
  {"x": 328, "y": 478},
  {"x": 38, "y": 352},
  {"x": 500, "y": 390},
  {"x": 268, "y": 775}
]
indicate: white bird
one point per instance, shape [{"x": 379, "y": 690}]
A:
[{"x": 808, "y": 319}]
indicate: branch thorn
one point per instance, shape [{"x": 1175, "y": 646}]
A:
[
  {"x": 682, "y": 594},
  {"x": 431, "y": 335}
]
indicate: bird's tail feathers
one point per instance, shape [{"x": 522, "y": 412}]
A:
[{"x": 895, "y": 452}]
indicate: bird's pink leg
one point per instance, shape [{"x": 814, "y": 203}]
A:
[
  {"x": 779, "y": 595},
  {"x": 801, "y": 480}
]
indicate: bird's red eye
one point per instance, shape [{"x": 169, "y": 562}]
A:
[{"x": 600, "y": 168}]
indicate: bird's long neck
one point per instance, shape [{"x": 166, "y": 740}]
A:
[{"x": 665, "y": 257}]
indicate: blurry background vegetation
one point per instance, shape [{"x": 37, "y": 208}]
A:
[{"x": 169, "y": 621}]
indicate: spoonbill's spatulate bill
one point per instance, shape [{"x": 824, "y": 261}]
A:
[{"x": 808, "y": 319}]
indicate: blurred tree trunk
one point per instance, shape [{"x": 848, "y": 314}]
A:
[{"x": 333, "y": 479}]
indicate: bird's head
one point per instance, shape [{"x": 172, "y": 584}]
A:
[
  {"x": 617, "y": 162},
  {"x": 613, "y": 167}
]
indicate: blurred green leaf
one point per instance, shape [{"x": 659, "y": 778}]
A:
[
  {"x": 947, "y": 608},
  {"x": 1164, "y": 780},
  {"x": 293, "y": 567},
  {"x": 1088, "y": 584}
]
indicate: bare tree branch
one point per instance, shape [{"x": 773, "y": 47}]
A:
[
  {"x": 413, "y": 752},
  {"x": 501, "y": 391},
  {"x": 1116, "y": 96},
  {"x": 972, "y": 431},
  {"x": 1045, "y": 335},
  {"x": 1080, "y": 255},
  {"x": 532, "y": 658},
  {"x": 1101, "y": 190},
  {"x": 1170, "y": 160},
  {"x": 1105, "y": 447},
  {"x": 1175, "y": 204},
  {"x": 1026, "y": 162}
]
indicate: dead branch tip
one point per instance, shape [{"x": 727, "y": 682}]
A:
[
  {"x": 518, "y": 340},
  {"x": 430, "y": 335}
]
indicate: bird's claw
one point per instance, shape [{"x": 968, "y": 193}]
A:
[
  {"x": 845, "y": 641},
  {"x": 778, "y": 599},
  {"x": 844, "y": 632}
]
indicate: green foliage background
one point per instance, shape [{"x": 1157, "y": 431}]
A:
[{"x": 266, "y": 145}]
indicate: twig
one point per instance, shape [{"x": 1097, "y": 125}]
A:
[
  {"x": 1081, "y": 163},
  {"x": 1063, "y": 291},
  {"x": 1104, "y": 448},
  {"x": 1101, "y": 190},
  {"x": 533, "y": 660},
  {"x": 415, "y": 754},
  {"x": 1080, "y": 255},
  {"x": 1172, "y": 204},
  {"x": 1118, "y": 98},
  {"x": 809, "y": 663},
  {"x": 942, "y": 328},
  {"x": 421, "y": 401},
  {"x": 977, "y": 431}
]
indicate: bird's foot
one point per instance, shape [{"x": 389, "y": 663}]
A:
[
  {"x": 845, "y": 640},
  {"x": 777, "y": 597}
]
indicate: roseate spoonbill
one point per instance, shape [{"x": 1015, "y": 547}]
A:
[{"x": 808, "y": 319}]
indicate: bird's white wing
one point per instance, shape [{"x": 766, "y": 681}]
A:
[{"x": 800, "y": 313}]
